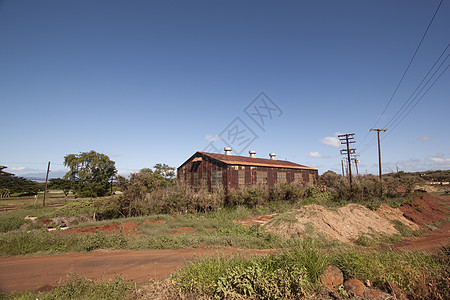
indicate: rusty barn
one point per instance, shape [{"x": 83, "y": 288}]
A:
[{"x": 229, "y": 171}]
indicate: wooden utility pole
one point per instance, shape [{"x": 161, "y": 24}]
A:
[
  {"x": 46, "y": 181},
  {"x": 347, "y": 139},
  {"x": 379, "y": 157},
  {"x": 342, "y": 163},
  {"x": 355, "y": 159}
]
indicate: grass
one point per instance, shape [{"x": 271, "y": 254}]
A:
[
  {"x": 293, "y": 272},
  {"x": 420, "y": 275},
  {"x": 77, "y": 287},
  {"x": 212, "y": 229},
  {"x": 43, "y": 242},
  {"x": 411, "y": 271}
]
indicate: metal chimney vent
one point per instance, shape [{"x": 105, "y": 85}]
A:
[
  {"x": 272, "y": 156},
  {"x": 227, "y": 150},
  {"x": 252, "y": 153}
]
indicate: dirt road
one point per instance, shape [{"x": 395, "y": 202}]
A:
[{"x": 19, "y": 273}]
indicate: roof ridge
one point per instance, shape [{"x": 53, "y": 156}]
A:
[{"x": 245, "y": 160}]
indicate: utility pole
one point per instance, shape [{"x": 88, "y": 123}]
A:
[
  {"x": 355, "y": 159},
  {"x": 347, "y": 139},
  {"x": 46, "y": 180},
  {"x": 379, "y": 157},
  {"x": 342, "y": 163}
]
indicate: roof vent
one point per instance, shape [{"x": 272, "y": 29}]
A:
[
  {"x": 227, "y": 150},
  {"x": 252, "y": 153},
  {"x": 272, "y": 156}
]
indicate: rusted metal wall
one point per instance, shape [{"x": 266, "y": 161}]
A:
[{"x": 198, "y": 173}]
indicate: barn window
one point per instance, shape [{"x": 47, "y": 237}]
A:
[
  {"x": 261, "y": 177},
  {"x": 298, "y": 177},
  {"x": 311, "y": 179},
  {"x": 195, "y": 179},
  {"x": 281, "y": 177},
  {"x": 216, "y": 178},
  {"x": 188, "y": 177},
  {"x": 204, "y": 179},
  {"x": 241, "y": 177}
]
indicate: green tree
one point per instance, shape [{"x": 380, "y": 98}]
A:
[
  {"x": 137, "y": 190},
  {"x": 18, "y": 186},
  {"x": 168, "y": 173},
  {"x": 60, "y": 184},
  {"x": 90, "y": 172}
]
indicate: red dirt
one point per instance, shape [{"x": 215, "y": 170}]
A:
[
  {"x": 432, "y": 241},
  {"x": 20, "y": 273},
  {"x": 427, "y": 210},
  {"x": 129, "y": 228},
  {"x": 126, "y": 228}
]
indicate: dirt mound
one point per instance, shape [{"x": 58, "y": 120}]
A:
[
  {"x": 425, "y": 209},
  {"x": 129, "y": 228},
  {"x": 344, "y": 224}
]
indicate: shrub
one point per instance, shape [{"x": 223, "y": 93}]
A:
[
  {"x": 290, "y": 274},
  {"x": 251, "y": 196}
]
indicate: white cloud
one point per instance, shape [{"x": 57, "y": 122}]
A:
[
  {"x": 425, "y": 138},
  {"x": 212, "y": 138},
  {"x": 332, "y": 141},
  {"x": 126, "y": 173},
  {"x": 440, "y": 160},
  {"x": 314, "y": 154},
  {"x": 17, "y": 168}
]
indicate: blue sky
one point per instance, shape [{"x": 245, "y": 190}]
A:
[{"x": 149, "y": 82}]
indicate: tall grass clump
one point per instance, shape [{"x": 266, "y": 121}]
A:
[
  {"x": 420, "y": 275},
  {"x": 294, "y": 272},
  {"x": 10, "y": 223}
]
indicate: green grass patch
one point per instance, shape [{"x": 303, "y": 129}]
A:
[
  {"x": 295, "y": 273},
  {"x": 77, "y": 287},
  {"x": 292, "y": 273},
  {"x": 43, "y": 242},
  {"x": 416, "y": 273}
]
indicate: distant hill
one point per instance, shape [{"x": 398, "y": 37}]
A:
[{"x": 40, "y": 177}]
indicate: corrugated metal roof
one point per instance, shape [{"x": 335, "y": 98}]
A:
[{"x": 260, "y": 162}]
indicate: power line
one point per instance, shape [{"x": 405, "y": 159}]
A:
[
  {"x": 418, "y": 100},
  {"x": 28, "y": 163},
  {"x": 409, "y": 64},
  {"x": 405, "y": 72},
  {"x": 411, "y": 99}
]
